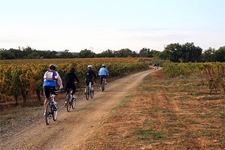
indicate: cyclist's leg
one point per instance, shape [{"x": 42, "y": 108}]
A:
[
  {"x": 101, "y": 77},
  {"x": 87, "y": 83},
  {"x": 73, "y": 91},
  {"x": 54, "y": 90},
  {"x": 105, "y": 79},
  {"x": 47, "y": 94},
  {"x": 92, "y": 83}
]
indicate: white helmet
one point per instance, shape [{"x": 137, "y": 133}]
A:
[{"x": 89, "y": 66}]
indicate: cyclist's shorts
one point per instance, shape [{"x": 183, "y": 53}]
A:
[
  {"x": 102, "y": 77},
  {"x": 87, "y": 82},
  {"x": 67, "y": 88},
  {"x": 50, "y": 89}
]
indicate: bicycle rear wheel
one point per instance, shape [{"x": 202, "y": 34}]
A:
[
  {"x": 87, "y": 92},
  {"x": 68, "y": 102},
  {"x": 73, "y": 103},
  {"x": 48, "y": 113},
  {"x": 103, "y": 85}
]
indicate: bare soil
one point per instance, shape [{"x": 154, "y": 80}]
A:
[{"x": 72, "y": 129}]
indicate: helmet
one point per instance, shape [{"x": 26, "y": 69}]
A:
[
  {"x": 52, "y": 66},
  {"x": 103, "y": 65},
  {"x": 89, "y": 66}
]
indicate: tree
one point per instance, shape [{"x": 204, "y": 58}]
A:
[
  {"x": 144, "y": 52},
  {"x": 209, "y": 55},
  {"x": 123, "y": 53},
  {"x": 189, "y": 52},
  {"x": 107, "y": 53},
  {"x": 220, "y": 54},
  {"x": 6, "y": 55},
  {"x": 86, "y": 54},
  {"x": 172, "y": 52}
]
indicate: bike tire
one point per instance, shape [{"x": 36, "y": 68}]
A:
[
  {"x": 54, "y": 114},
  {"x": 48, "y": 113},
  {"x": 92, "y": 94},
  {"x": 73, "y": 103},
  {"x": 87, "y": 93},
  {"x": 68, "y": 103},
  {"x": 103, "y": 85}
]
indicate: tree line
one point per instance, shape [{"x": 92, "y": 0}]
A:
[{"x": 174, "y": 52}]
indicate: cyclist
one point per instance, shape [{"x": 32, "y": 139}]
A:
[
  {"x": 49, "y": 85},
  {"x": 103, "y": 73},
  {"x": 89, "y": 73},
  {"x": 70, "y": 79}
]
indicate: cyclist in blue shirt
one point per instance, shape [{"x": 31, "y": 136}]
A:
[
  {"x": 49, "y": 85},
  {"x": 103, "y": 73}
]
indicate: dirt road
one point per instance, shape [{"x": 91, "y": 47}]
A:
[{"x": 72, "y": 129}]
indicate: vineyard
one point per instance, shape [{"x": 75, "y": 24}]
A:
[
  {"x": 20, "y": 78},
  {"x": 211, "y": 74}
]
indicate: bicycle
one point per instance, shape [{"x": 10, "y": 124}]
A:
[
  {"x": 103, "y": 84},
  {"x": 71, "y": 102},
  {"x": 51, "y": 110},
  {"x": 89, "y": 91}
]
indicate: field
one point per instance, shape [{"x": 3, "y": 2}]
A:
[
  {"x": 151, "y": 112},
  {"x": 164, "y": 114}
]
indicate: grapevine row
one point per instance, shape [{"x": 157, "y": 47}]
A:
[
  {"x": 21, "y": 79},
  {"x": 212, "y": 74}
]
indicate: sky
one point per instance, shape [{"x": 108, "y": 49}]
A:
[{"x": 99, "y": 25}]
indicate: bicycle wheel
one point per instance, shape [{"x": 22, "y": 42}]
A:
[
  {"x": 54, "y": 114},
  {"x": 48, "y": 113},
  {"x": 68, "y": 102},
  {"x": 103, "y": 85},
  {"x": 73, "y": 103},
  {"x": 92, "y": 93},
  {"x": 87, "y": 92}
]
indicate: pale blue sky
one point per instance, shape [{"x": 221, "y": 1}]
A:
[{"x": 111, "y": 24}]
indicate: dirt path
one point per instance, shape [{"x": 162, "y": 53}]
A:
[{"x": 72, "y": 129}]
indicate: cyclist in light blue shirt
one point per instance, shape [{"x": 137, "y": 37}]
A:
[{"x": 103, "y": 73}]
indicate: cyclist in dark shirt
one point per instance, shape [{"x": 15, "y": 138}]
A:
[
  {"x": 70, "y": 79},
  {"x": 89, "y": 73}
]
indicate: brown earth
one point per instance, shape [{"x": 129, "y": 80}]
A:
[{"x": 71, "y": 130}]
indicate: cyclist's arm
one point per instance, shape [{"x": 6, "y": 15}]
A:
[
  {"x": 94, "y": 74},
  {"x": 59, "y": 81},
  {"x": 76, "y": 78}
]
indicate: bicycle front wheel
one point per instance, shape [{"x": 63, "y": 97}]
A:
[
  {"x": 87, "y": 92},
  {"x": 54, "y": 114},
  {"x": 92, "y": 93},
  {"x": 73, "y": 103},
  {"x": 68, "y": 102},
  {"x": 48, "y": 113},
  {"x": 103, "y": 85}
]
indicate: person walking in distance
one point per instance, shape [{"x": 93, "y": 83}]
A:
[
  {"x": 70, "y": 79},
  {"x": 51, "y": 78},
  {"x": 89, "y": 73},
  {"x": 103, "y": 73}
]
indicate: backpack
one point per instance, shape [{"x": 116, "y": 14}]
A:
[
  {"x": 88, "y": 72},
  {"x": 50, "y": 76}
]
